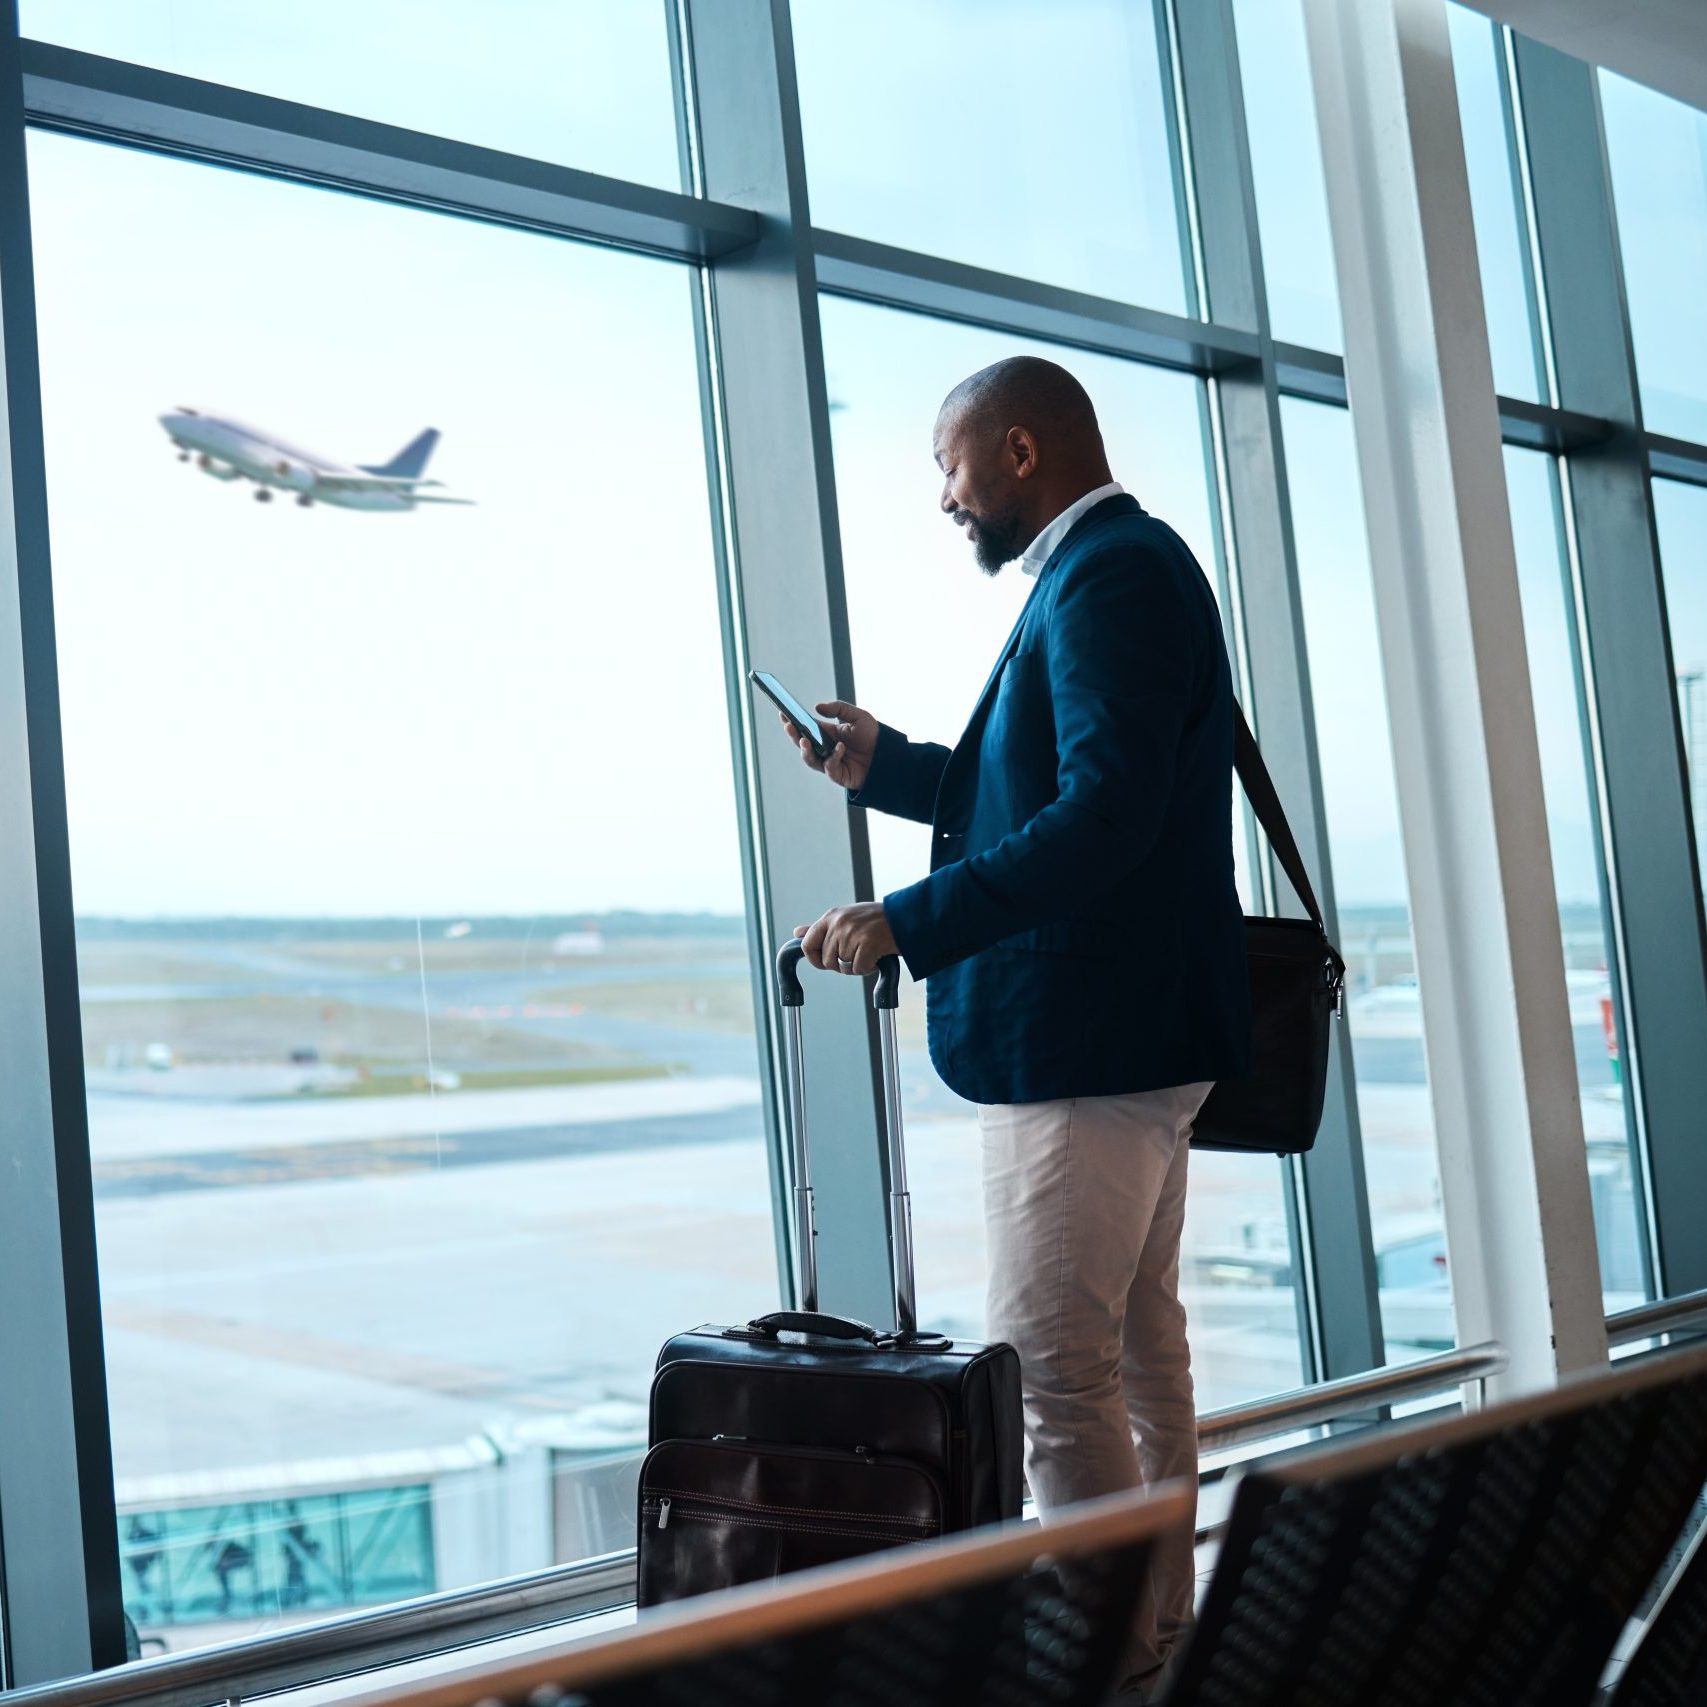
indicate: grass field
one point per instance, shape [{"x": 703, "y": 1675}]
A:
[{"x": 388, "y": 1084}]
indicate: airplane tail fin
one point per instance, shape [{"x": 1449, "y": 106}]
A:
[{"x": 410, "y": 462}]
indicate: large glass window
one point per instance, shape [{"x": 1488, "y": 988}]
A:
[
  {"x": 1041, "y": 151},
  {"x": 1495, "y": 204},
  {"x": 1292, "y": 206},
  {"x": 1383, "y": 1007},
  {"x": 1286, "y": 169},
  {"x": 423, "y": 1089},
  {"x": 583, "y": 82},
  {"x": 1680, "y": 512},
  {"x": 888, "y": 372},
  {"x": 1369, "y": 875},
  {"x": 1657, "y": 150},
  {"x": 1573, "y": 829}
]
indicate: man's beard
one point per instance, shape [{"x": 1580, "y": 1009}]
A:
[{"x": 995, "y": 540}]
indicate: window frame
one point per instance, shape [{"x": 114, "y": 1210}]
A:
[{"x": 754, "y": 264}]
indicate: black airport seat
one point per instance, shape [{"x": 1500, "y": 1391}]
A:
[
  {"x": 1488, "y": 1561},
  {"x": 1669, "y": 1665},
  {"x": 1008, "y": 1617}
]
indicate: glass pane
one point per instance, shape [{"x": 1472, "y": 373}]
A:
[
  {"x": 888, "y": 373},
  {"x": 910, "y": 115},
  {"x": 1573, "y": 828},
  {"x": 1680, "y": 512},
  {"x": 1495, "y": 203},
  {"x": 580, "y": 82},
  {"x": 422, "y": 1078},
  {"x": 1292, "y": 204},
  {"x": 1286, "y": 169},
  {"x": 1371, "y": 890},
  {"x": 1657, "y": 148}
]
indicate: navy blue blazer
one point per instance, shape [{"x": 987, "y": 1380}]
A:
[{"x": 1079, "y": 931}]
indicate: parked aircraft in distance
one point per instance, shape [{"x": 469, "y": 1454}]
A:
[{"x": 228, "y": 450}]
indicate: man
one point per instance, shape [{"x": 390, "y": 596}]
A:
[{"x": 1079, "y": 932}]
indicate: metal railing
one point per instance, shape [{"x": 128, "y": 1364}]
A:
[
  {"x": 356, "y": 1642},
  {"x": 442, "y": 1623},
  {"x": 1687, "y": 1313},
  {"x": 1331, "y": 1401}
]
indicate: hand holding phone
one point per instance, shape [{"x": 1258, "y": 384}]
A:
[{"x": 836, "y": 738}]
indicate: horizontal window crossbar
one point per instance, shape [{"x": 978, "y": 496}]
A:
[
  {"x": 1677, "y": 459},
  {"x": 1539, "y": 426},
  {"x": 951, "y": 290},
  {"x": 1317, "y": 376},
  {"x": 111, "y": 100},
  {"x": 1314, "y": 375}
]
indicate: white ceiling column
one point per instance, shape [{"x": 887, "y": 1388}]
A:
[{"x": 1502, "y": 1072}]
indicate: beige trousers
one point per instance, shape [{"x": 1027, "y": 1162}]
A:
[{"x": 1084, "y": 1201}]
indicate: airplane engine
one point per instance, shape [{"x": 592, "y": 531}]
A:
[
  {"x": 219, "y": 470},
  {"x": 293, "y": 475}
]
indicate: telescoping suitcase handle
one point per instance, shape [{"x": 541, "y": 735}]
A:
[{"x": 885, "y": 998}]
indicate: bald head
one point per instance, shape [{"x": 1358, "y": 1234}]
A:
[
  {"x": 1026, "y": 391},
  {"x": 1017, "y": 443}
]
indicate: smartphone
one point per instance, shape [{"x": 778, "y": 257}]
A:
[{"x": 794, "y": 711}]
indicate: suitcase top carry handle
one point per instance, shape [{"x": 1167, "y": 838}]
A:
[
  {"x": 887, "y": 993},
  {"x": 815, "y": 1323}
]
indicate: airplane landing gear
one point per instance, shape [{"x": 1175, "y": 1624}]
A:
[
  {"x": 263, "y": 495},
  {"x": 183, "y": 456},
  {"x": 304, "y": 499}
]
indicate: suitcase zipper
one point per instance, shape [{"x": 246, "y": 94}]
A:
[{"x": 863, "y": 1454}]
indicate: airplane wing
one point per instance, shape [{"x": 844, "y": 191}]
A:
[
  {"x": 371, "y": 482},
  {"x": 421, "y": 498}
]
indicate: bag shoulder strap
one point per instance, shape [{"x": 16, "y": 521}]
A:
[{"x": 1265, "y": 802}]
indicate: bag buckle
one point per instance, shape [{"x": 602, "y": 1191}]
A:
[{"x": 1333, "y": 973}]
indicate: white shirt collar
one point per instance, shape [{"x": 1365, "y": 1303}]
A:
[{"x": 1042, "y": 548}]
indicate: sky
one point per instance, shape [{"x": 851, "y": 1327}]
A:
[
  {"x": 1657, "y": 148},
  {"x": 271, "y": 710},
  {"x": 276, "y": 710},
  {"x": 581, "y": 82},
  {"x": 1041, "y": 152}
]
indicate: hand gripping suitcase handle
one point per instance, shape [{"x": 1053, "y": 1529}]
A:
[
  {"x": 885, "y": 998},
  {"x": 886, "y": 995}
]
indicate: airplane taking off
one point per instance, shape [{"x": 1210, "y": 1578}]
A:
[{"x": 228, "y": 450}]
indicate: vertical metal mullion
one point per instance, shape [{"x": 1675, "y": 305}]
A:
[
  {"x": 760, "y": 931},
  {"x": 1594, "y": 767},
  {"x": 59, "y": 1559},
  {"x": 1328, "y": 1200},
  {"x": 787, "y": 611},
  {"x": 1655, "y": 874}
]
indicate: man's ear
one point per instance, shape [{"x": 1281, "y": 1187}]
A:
[{"x": 1022, "y": 453}]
